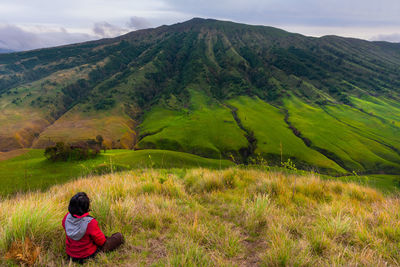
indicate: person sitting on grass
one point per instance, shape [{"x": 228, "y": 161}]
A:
[{"x": 84, "y": 239}]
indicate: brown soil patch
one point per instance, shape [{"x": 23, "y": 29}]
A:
[
  {"x": 157, "y": 250},
  {"x": 253, "y": 249}
]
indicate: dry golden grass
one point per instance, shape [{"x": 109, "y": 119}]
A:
[
  {"x": 21, "y": 120},
  {"x": 115, "y": 127},
  {"x": 24, "y": 252},
  {"x": 199, "y": 217},
  {"x": 19, "y": 126}
]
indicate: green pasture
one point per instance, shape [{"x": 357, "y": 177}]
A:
[
  {"x": 383, "y": 108},
  {"x": 383, "y": 182},
  {"x": 33, "y": 171},
  {"x": 274, "y": 136},
  {"x": 366, "y": 125},
  {"x": 358, "y": 152},
  {"x": 206, "y": 128}
]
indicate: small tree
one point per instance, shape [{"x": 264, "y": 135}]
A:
[{"x": 100, "y": 141}]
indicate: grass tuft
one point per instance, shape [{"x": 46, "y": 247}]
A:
[{"x": 203, "y": 217}]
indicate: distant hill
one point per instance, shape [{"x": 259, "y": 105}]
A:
[
  {"x": 3, "y": 50},
  {"x": 216, "y": 89}
]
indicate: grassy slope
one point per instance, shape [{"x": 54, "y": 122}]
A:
[
  {"x": 19, "y": 126},
  {"x": 23, "y": 116},
  {"x": 270, "y": 130},
  {"x": 384, "y": 108},
  {"x": 214, "y": 218},
  {"x": 12, "y": 154},
  {"x": 145, "y": 68},
  {"x": 383, "y": 182},
  {"x": 206, "y": 129},
  {"x": 357, "y": 152},
  {"x": 367, "y": 125},
  {"x": 32, "y": 171},
  {"x": 77, "y": 125}
]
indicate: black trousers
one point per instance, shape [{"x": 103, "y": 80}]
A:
[{"x": 112, "y": 243}]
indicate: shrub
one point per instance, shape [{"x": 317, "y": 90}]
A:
[{"x": 65, "y": 152}]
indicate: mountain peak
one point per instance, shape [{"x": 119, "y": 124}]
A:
[{"x": 212, "y": 88}]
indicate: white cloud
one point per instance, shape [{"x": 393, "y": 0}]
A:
[
  {"x": 106, "y": 30},
  {"x": 394, "y": 37},
  {"x": 16, "y": 38},
  {"x": 138, "y": 23}
]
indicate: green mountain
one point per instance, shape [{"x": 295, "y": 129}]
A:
[{"x": 216, "y": 89}]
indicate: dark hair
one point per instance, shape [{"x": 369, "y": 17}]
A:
[{"x": 79, "y": 204}]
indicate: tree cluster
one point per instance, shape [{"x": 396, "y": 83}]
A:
[{"x": 77, "y": 151}]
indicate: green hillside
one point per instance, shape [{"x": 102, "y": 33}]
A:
[
  {"x": 216, "y": 89},
  {"x": 32, "y": 171},
  {"x": 204, "y": 128},
  {"x": 274, "y": 136},
  {"x": 342, "y": 142}
]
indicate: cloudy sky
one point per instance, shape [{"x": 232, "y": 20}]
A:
[{"x": 29, "y": 24}]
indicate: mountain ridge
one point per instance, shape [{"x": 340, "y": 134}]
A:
[{"x": 169, "y": 87}]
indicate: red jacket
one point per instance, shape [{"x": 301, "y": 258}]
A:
[{"x": 83, "y": 235}]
